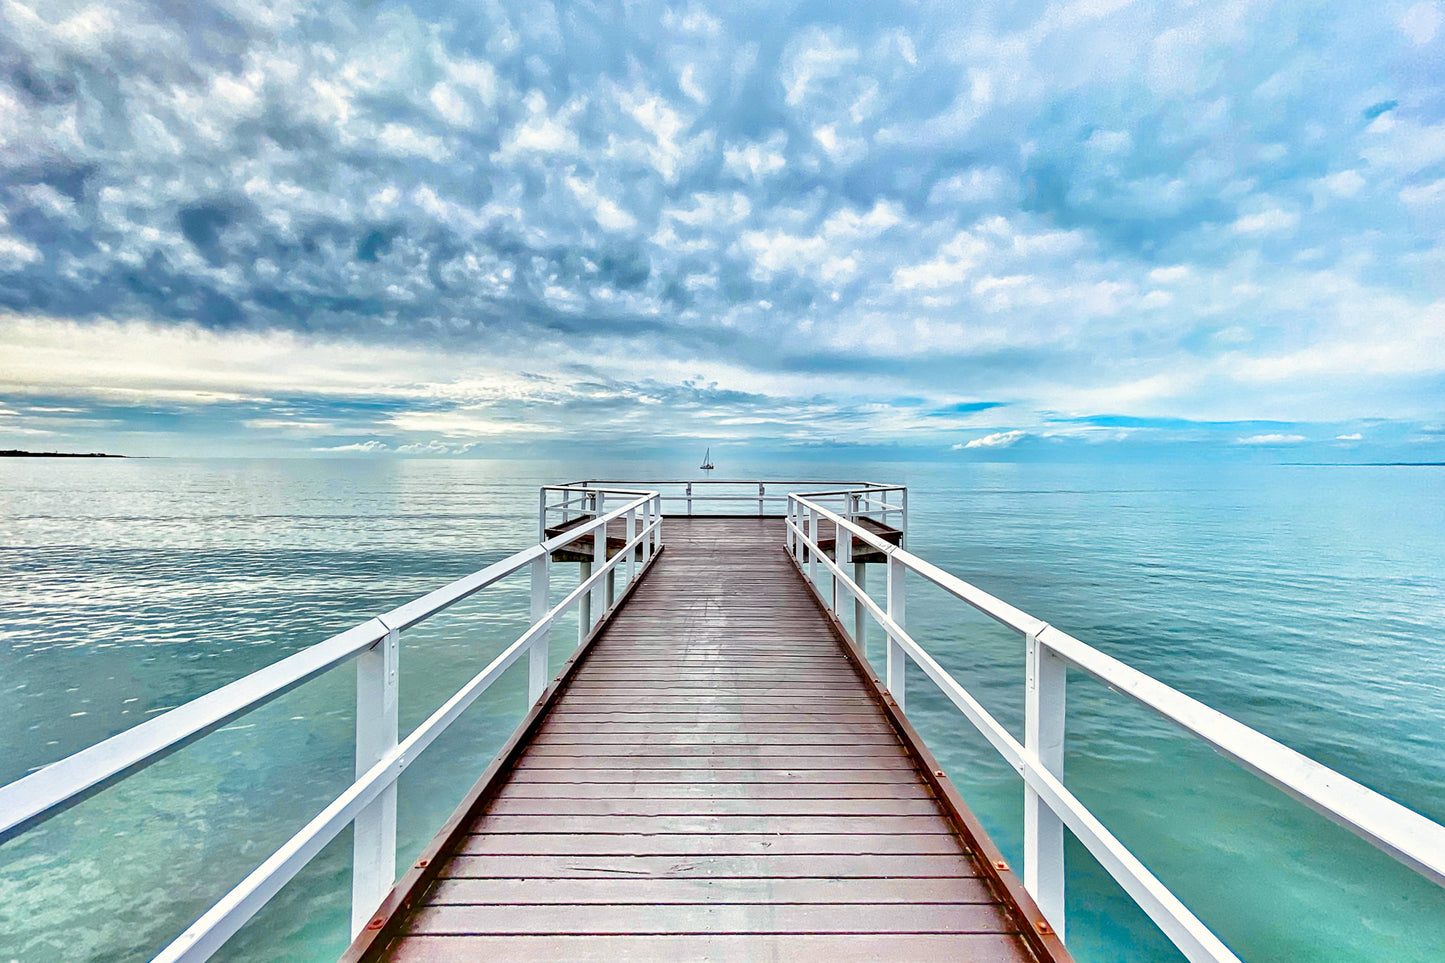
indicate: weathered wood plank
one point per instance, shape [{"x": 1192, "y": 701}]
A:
[
  {"x": 593, "y": 748},
  {"x": 507, "y": 804},
  {"x": 585, "y": 919},
  {"x": 719, "y": 790},
  {"x": 881, "y": 759},
  {"x": 742, "y": 725},
  {"x": 683, "y": 737},
  {"x": 698, "y": 844},
  {"x": 559, "y": 824},
  {"x": 730, "y": 948},
  {"x": 639, "y": 776},
  {"x": 687, "y": 890},
  {"x": 912, "y": 865}
]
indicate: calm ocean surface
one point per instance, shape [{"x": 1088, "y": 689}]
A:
[{"x": 1307, "y": 602}]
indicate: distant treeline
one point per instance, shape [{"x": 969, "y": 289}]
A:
[{"x": 17, "y": 453}]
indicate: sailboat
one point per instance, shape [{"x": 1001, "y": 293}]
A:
[{"x": 707, "y": 464}]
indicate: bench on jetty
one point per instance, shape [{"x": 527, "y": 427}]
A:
[{"x": 717, "y": 771}]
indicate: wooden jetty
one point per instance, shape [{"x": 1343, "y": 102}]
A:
[
  {"x": 718, "y": 775},
  {"x": 717, "y": 772}
]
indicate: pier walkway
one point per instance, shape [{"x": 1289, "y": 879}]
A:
[{"x": 716, "y": 779}]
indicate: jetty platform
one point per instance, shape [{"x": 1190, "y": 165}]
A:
[
  {"x": 718, "y": 775},
  {"x": 714, "y": 769}
]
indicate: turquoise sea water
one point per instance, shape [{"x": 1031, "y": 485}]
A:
[{"x": 1307, "y": 602}]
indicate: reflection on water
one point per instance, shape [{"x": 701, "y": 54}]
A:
[{"x": 1305, "y": 601}]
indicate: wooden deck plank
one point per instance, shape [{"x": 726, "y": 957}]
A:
[
  {"x": 756, "y": 776},
  {"x": 715, "y": 781},
  {"x": 773, "y": 866},
  {"x": 880, "y": 758},
  {"x": 848, "y": 948},
  {"x": 698, "y": 844},
  {"x": 718, "y": 790},
  {"x": 565, "y": 825},
  {"x": 507, "y": 804},
  {"x": 684, "y": 738},
  {"x": 598, "y": 748},
  {"x": 582, "y": 919},
  {"x": 689, "y": 890}
]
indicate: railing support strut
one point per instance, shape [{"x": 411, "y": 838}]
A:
[
  {"x": 1046, "y": 677},
  {"x": 860, "y": 611},
  {"x": 537, "y": 656},
  {"x": 373, "y": 867},
  {"x": 897, "y": 659}
]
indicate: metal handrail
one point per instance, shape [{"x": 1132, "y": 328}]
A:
[
  {"x": 756, "y": 498},
  {"x": 381, "y": 757},
  {"x": 1409, "y": 837},
  {"x": 849, "y": 485}
]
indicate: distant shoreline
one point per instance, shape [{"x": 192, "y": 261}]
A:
[{"x": 17, "y": 453}]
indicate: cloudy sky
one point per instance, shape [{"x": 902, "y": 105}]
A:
[{"x": 959, "y": 230}]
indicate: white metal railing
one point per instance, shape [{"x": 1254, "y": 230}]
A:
[
  {"x": 887, "y": 504},
  {"x": 370, "y": 801},
  {"x": 1049, "y": 807}
]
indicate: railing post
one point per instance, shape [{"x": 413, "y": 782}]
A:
[
  {"x": 860, "y": 612},
  {"x": 812, "y": 553},
  {"x": 373, "y": 849},
  {"x": 599, "y": 559},
  {"x": 903, "y": 526},
  {"x": 761, "y": 492},
  {"x": 1047, "y": 675},
  {"x": 537, "y": 654},
  {"x": 792, "y": 535},
  {"x": 584, "y": 604},
  {"x": 842, "y": 554},
  {"x": 897, "y": 608},
  {"x": 542, "y": 517},
  {"x": 647, "y": 519},
  {"x": 689, "y": 498},
  {"x": 657, "y": 536},
  {"x": 632, "y": 550}
]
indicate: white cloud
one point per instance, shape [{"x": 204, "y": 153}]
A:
[
  {"x": 816, "y": 59},
  {"x": 541, "y": 133},
  {"x": 1273, "y": 220},
  {"x": 1172, "y": 274},
  {"x": 468, "y": 422},
  {"x": 971, "y": 187},
  {"x": 999, "y": 439},
  {"x": 408, "y": 141},
  {"x": 451, "y": 105},
  {"x": 608, "y": 214},
  {"x": 15, "y": 253},
  {"x": 140, "y": 363},
  {"x": 1344, "y": 183},
  {"x": 755, "y": 162},
  {"x": 362, "y": 447},
  {"x": 1423, "y": 195},
  {"x": 1421, "y": 22},
  {"x": 1271, "y": 440},
  {"x": 1356, "y": 436}
]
